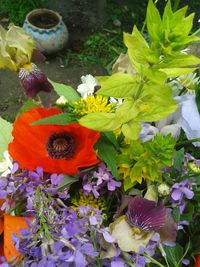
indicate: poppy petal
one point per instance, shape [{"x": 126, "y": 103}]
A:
[{"x": 30, "y": 142}]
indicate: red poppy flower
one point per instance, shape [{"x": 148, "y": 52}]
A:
[{"x": 57, "y": 148}]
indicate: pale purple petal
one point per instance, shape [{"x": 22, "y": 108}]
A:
[{"x": 176, "y": 194}]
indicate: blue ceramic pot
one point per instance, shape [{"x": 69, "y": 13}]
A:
[{"x": 48, "y": 30}]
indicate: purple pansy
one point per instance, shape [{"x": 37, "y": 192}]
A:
[
  {"x": 34, "y": 81},
  {"x": 146, "y": 214}
]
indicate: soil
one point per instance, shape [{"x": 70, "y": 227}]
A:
[{"x": 12, "y": 95}]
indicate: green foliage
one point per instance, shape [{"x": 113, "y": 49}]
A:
[
  {"x": 60, "y": 119},
  {"x": 5, "y": 136},
  {"x": 65, "y": 90},
  {"x": 147, "y": 96},
  {"x": 156, "y": 155},
  {"x": 107, "y": 153},
  {"x": 101, "y": 48},
  {"x": 18, "y": 9},
  {"x": 148, "y": 159}
]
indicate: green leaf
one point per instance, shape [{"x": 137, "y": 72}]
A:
[
  {"x": 176, "y": 214},
  {"x": 100, "y": 121},
  {"x": 131, "y": 130},
  {"x": 197, "y": 96},
  {"x": 60, "y": 119},
  {"x": 112, "y": 138},
  {"x": 126, "y": 111},
  {"x": 119, "y": 85},
  {"x": 174, "y": 72},
  {"x": 67, "y": 181},
  {"x": 180, "y": 60},
  {"x": 174, "y": 255},
  {"x": 155, "y": 76},
  {"x": 178, "y": 160},
  {"x": 153, "y": 20},
  {"x": 141, "y": 56},
  {"x": 128, "y": 184},
  {"x": 29, "y": 104},
  {"x": 5, "y": 136},
  {"x": 107, "y": 153},
  {"x": 65, "y": 90}
]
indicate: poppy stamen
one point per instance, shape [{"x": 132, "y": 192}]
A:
[{"x": 60, "y": 145}]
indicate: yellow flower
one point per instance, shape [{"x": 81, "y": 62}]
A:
[
  {"x": 16, "y": 48},
  {"x": 83, "y": 200},
  {"x": 93, "y": 104}
]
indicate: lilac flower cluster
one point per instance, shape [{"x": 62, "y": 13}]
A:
[
  {"x": 20, "y": 186},
  {"x": 99, "y": 180},
  {"x": 180, "y": 192},
  {"x": 73, "y": 237}
]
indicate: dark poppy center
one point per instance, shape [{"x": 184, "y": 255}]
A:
[{"x": 60, "y": 145}]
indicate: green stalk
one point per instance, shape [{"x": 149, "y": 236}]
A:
[
  {"x": 186, "y": 142},
  {"x": 95, "y": 249},
  {"x": 153, "y": 260},
  {"x": 176, "y": 4}
]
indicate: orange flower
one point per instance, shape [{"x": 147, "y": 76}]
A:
[
  {"x": 57, "y": 148},
  {"x": 197, "y": 262},
  {"x": 11, "y": 225}
]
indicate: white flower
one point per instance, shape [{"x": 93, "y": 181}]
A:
[
  {"x": 188, "y": 81},
  {"x": 148, "y": 132},
  {"x": 88, "y": 85},
  {"x": 6, "y": 164},
  {"x": 61, "y": 101},
  {"x": 116, "y": 101},
  {"x": 163, "y": 189},
  {"x": 169, "y": 125},
  {"x": 190, "y": 117}
]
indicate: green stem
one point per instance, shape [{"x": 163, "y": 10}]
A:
[
  {"x": 98, "y": 263},
  {"x": 164, "y": 254},
  {"x": 143, "y": 26},
  {"x": 176, "y": 4},
  {"x": 186, "y": 142},
  {"x": 153, "y": 260},
  {"x": 196, "y": 32}
]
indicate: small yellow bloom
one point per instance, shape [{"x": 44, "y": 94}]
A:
[
  {"x": 93, "y": 104},
  {"x": 83, "y": 200},
  {"x": 194, "y": 167}
]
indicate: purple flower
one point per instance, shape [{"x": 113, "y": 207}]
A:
[
  {"x": 180, "y": 191},
  {"x": 33, "y": 81},
  {"x": 145, "y": 214},
  {"x": 148, "y": 216},
  {"x": 56, "y": 178},
  {"x": 99, "y": 180}
]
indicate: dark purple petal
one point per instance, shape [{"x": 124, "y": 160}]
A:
[
  {"x": 34, "y": 81},
  {"x": 168, "y": 232},
  {"x": 146, "y": 214}
]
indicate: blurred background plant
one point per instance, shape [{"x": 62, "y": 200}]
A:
[{"x": 16, "y": 10}]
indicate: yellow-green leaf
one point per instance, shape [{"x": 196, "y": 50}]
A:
[
  {"x": 100, "y": 121},
  {"x": 119, "y": 85}
]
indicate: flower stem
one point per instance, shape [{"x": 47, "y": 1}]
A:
[
  {"x": 186, "y": 142},
  {"x": 153, "y": 260}
]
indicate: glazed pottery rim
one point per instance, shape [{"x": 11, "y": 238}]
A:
[{"x": 43, "y": 10}]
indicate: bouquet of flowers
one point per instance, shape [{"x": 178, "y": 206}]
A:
[{"x": 108, "y": 175}]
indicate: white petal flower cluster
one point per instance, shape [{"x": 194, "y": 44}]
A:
[{"x": 88, "y": 86}]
